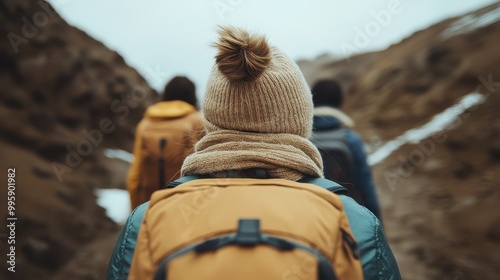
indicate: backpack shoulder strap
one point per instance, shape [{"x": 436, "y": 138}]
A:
[
  {"x": 325, "y": 184},
  {"x": 183, "y": 180},
  {"x": 345, "y": 131},
  {"x": 321, "y": 182}
]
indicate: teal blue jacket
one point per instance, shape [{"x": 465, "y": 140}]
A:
[{"x": 376, "y": 255}]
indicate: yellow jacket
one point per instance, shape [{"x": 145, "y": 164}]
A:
[{"x": 181, "y": 125}]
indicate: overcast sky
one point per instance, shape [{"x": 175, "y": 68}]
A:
[{"x": 164, "y": 38}]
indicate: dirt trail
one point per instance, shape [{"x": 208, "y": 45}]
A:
[
  {"x": 91, "y": 262},
  {"x": 440, "y": 207}
]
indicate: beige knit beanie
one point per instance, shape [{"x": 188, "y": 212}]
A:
[
  {"x": 255, "y": 88},
  {"x": 257, "y": 111}
]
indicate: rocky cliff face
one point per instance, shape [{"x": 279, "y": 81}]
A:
[
  {"x": 437, "y": 195},
  {"x": 65, "y": 97}
]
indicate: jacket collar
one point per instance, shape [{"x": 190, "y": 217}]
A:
[{"x": 335, "y": 117}]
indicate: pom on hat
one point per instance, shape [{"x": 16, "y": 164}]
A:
[
  {"x": 241, "y": 57},
  {"x": 255, "y": 87}
]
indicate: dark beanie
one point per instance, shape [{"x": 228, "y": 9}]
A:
[
  {"x": 180, "y": 88},
  {"x": 327, "y": 93}
]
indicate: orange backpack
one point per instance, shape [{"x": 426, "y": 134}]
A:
[
  {"x": 228, "y": 228},
  {"x": 164, "y": 146}
]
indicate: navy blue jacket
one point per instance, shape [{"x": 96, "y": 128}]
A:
[{"x": 361, "y": 170}]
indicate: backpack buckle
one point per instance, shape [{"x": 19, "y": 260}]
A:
[{"x": 248, "y": 234}]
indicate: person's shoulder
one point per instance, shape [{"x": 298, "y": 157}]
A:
[
  {"x": 135, "y": 218},
  {"x": 359, "y": 216},
  {"x": 194, "y": 121},
  {"x": 352, "y": 136},
  {"x": 195, "y": 115},
  {"x": 376, "y": 255},
  {"x": 351, "y": 132}
]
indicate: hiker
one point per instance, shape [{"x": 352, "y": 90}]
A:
[
  {"x": 342, "y": 149},
  {"x": 163, "y": 139},
  {"x": 252, "y": 203}
]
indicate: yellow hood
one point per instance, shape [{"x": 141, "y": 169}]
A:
[{"x": 169, "y": 110}]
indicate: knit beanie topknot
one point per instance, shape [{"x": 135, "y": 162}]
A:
[
  {"x": 258, "y": 113},
  {"x": 254, "y": 87}
]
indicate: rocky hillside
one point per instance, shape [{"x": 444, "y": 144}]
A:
[
  {"x": 437, "y": 195},
  {"x": 65, "y": 97}
]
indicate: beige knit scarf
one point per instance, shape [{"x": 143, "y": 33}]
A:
[{"x": 285, "y": 156}]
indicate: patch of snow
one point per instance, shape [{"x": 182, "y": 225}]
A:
[
  {"x": 119, "y": 154},
  {"x": 470, "y": 23},
  {"x": 116, "y": 202},
  {"x": 439, "y": 123}
]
